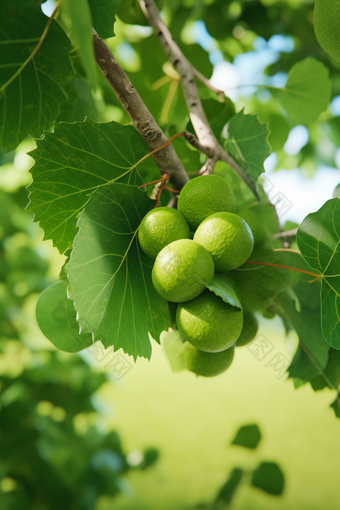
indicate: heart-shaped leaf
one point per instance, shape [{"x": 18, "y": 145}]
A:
[
  {"x": 318, "y": 239},
  {"x": 110, "y": 276}
]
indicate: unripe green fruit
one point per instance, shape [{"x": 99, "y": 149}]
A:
[
  {"x": 228, "y": 239},
  {"x": 249, "y": 330},
  {"x": 204, "y": 196},
  {"x": 182, "y": 270},
  {"x": 326, "y": 26},
  {"x": 206, "y": 364},
  {"x": 161, "y": 227},
  {"x": 208, "y": 323}
]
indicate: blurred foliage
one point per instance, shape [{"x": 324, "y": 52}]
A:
[{"x": 55, "y": 451}]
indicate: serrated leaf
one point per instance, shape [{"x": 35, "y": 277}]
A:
[
  {"x": 110, "y": 276},
  {"x": 29, "y": 102},
  {"x": 248, "y": 436},
  {"x": 56, "y": 317},
  {"x": 103, "y": 15},
  {"x": 227, "y": 491},
  {"x": 173, "y": 345},
  {"x": 222, "y": 287},
  {"x": 318, "y": 239},
  {"x": 246, "y": 141},
  {"x": 268, "y": 477},
  {"x": 71, "y": 163},
  {"x": 80, "y": 16},
  {"x": 307, "y": 92}
]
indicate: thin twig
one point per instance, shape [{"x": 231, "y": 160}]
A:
[
  {"x": 287, "y": 233},
  {"x": 166, "y": 159},
  {"x": 188, "y": 73}
]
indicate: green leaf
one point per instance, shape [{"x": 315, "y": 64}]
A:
[
  {"x": 80, "y": 17},
  {"x": 103, "y": 15},
  {"x": 110, "y": 276},
  {"x": 331, "y": 375},
  {"x": 318, "y": 239},
  {"x": 173, "y": 345},
  {"x": 336, "y": 406},
  {"x": 312, "y": 354},
  {"x": 30, "y": 100},
  {"x": 71, "y": 163},
  {"x": 227, "y": 491},
  {"x": 307, "y": 92},
  {"x": 246, "y": 141},
  {"x": 222, "y": 287},
  {"x": 268, "y": 477},
  {"x": 56, "y": 317},
  {"x": 255, "y": 284},
  {"x": 248, "y": 436}
]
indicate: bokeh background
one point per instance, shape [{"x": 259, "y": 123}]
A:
[{"x": 73, "y": 436}]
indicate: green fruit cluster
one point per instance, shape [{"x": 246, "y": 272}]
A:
[{"x": 189, "y": 245}]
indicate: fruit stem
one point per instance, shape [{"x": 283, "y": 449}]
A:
[{"x": 317, "y": 276}]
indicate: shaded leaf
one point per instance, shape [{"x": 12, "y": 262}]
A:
[
  {"x": 218, "y": 114},
  {"x": 222, "y": 287},
  {"x": 318, "y": 239},
  {"x": 103, "y": 16},
  {"x": 336, "y": 406},
  {"x": 56, "y": 317},
  {"x": 312, "y": 354},
  {"x": 110, "y": 276},
  {"x": 268, "y": 477},
  {"x": 227, "y": 491},
  {"x": 331, "y": 374},
  {"x": 248, "y": 436},
  {"x": 80, "y": 17},
  {"x": 307, "y": 92},
  {"x": 246, "y": 141},
  {"x": 30, "y": 102},
  {"x": 71, "y": 163}
]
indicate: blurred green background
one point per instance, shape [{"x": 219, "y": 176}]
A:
[{"x": 73, "y": 436}]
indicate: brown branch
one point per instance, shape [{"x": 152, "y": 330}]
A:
[
  {"x": 188, "y": 73},
  {"x": 166, "y": 159}
]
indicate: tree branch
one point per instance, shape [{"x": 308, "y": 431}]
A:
[
  {"x": 166, "y": 159},
  {"x": 187, "y": 72}
]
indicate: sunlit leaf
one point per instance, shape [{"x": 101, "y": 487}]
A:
[
  {"x": 307, "y": 92},
  {"x": 71, "y": 163},
  {"x": 319, "y": 242}
]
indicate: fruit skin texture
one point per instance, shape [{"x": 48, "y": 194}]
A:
[
  {"x": 249, "y": 330},
  {"x": 161, "y": 227},
  {"x": 257, "y": 228},
  {"x": 207, "y": 364},
  {"x": 204, "y": 196},
  {"x": 182, "y": 270},
  {"x": 208, "y": 323},
  {"x": 228, "y": 239},
  {"x": 326, "y": 26}
]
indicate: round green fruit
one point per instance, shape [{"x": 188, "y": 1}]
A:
[
  {"x": 257, "y": 228},
  {"x": 204, "y": 196},
  {"x": 161, "y": 227},
  {"x": 206, "y": 364},
  {"x": 326, "y": 26},
  {"x": 208, "y": 323},
  {"x": 249, "y": 330},
  {"x": 228, "y": 239},
  {"x": 182, "y": 270}
]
